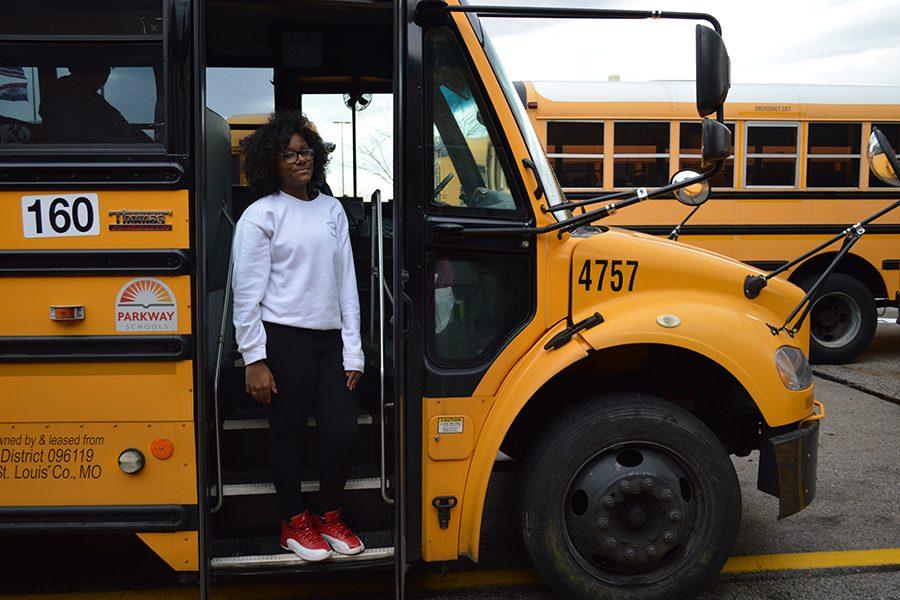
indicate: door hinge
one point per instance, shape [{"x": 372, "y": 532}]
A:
[
  {"x": 444, "y": 504},
  {"x": 565, "y": 336}
]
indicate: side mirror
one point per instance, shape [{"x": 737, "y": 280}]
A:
[
  {"x": 882, "y": 159},
  {"x": 715, "y": 142},
  {"x": 694, "y": 194},
  {"x": 713, "y": 71}
]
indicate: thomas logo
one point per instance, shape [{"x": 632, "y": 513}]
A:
[{"x": 146, "y": 304}]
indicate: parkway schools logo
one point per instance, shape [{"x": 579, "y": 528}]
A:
[{"x": 146, "y": 304}]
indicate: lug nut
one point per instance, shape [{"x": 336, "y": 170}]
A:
[
  {"x": 666, "y": 495},
  {"x": 647, "y": 484},
  {"x": 602, "y": 523},
  {"x": 608, "y": 501},
  {"x": 651, "y": 551},
  {"x": 674, "y": 516},
  {"x": 668, "y": 537},
  {"x": 625, "y": 486},
  {"x": 611, "y": 544},
  {"x": 630, "y": 554}
]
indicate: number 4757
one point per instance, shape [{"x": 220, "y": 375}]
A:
[{"x": 613, "y": 269}]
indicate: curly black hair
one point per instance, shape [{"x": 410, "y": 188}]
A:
[{"x": 260, "y": 149}]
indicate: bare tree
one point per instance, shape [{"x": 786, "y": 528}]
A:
[{"x": 376, "y": 155}]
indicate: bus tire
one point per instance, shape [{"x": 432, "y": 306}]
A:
[
  {"x": 842, "y": 320},
  {"x": 628, "y": 496}
]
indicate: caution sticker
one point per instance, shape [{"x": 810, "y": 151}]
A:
[
  {"x": 146, "y": 304},
  {"x": 450, "y": 424}
]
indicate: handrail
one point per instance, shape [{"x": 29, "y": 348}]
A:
[
  {"x": 379, "y": 228},
  {"x": 220, "y": 497}
]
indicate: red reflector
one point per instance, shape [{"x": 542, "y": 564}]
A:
[{"x": 161, "y": 448}]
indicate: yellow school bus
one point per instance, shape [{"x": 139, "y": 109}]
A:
[
  {"x": 619, "y": 370},
  {"x": 796, "y": 177}
]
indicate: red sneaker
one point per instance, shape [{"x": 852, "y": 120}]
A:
[
  {"x": 302, "y": 537},
  {"x": 340, "y": 537}
]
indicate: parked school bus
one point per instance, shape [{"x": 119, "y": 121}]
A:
[
  {"x": 797, "y": 176},
  {"x": 619, "y": 369}
]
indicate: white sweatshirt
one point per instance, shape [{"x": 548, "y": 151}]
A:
[{"x": 293, "y": 265}]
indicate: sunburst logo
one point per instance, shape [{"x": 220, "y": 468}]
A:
[
  {"x": 146, "y": 304},
  {"x": 146, "y": 293}
]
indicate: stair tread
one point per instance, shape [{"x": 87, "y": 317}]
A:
[
  {"x": 243, "y": 553},
  {"x": 243, "y": 418},
  {"x": 308, "y": 474}
]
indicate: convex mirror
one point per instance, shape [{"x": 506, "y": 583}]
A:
[
  {"x": 715, "y": 143},
  {"x": 693, "y": 194},
  {"x": 882, "y": 159},
  {"x": 713, "y": 71}
]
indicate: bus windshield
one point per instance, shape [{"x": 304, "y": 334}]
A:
[{"x": 548, "y": 179}]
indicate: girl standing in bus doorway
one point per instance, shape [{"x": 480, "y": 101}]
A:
[{"x": 296, "y": 316}]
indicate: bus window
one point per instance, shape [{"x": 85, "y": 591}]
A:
[
  {"x": 467, "y": 168},
  {"x": 771, "y": 156},
  {"x": 576, "y": 152},
  {"x": 892, "y": 132},
  {"x": 689, "y": 154},
  {"x": 833, "y": 155},
  {"x": 641, "y": 154},
  {"x": 83, "y": 94}
]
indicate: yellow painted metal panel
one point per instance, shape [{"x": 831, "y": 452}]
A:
[
  {"x": 179, "y": 549},
  {"x": 441, "y": 477},
  {"x": 99, "y": 391},
  {"x": 11, "y": 229},
  {"x": 25, "y": 305},
  {"x": 450, "y": 437},
  {"x": 76, "y": 464}
]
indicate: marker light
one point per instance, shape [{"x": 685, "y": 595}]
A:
[
  {"x": 793, "y": 368},
  {"x": 161, "y": 448},
  {"x": 131, "y": 461}
]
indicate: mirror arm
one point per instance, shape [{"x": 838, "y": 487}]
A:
[
  {"x": 677, "y": 231},
  {"x": 632, "y": 197},
  {"x": 632, "y": 194},
  {"x": 855, "y": 234},
  {"x": 537, "y": 12},
  {"x": 586, "y": 202},
  {"x": 754, "y": 284}
]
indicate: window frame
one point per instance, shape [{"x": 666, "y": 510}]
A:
[
  {"x": 173, "y": 85},
  {"x": 617, "y": 155},
  {"x": 748, "y": 155},
  {"x": 522, "y": 210},
  {"x": 564, "y": 155},
  {"x": 732, "y": 156},
  {"x": 810, "y": 156}
]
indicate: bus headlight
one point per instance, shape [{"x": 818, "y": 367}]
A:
[
  {"x": 131, "y": 461},
  {"x": 793, "y": 368}
]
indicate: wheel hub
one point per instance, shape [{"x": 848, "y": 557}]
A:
[
  {"x": 835, "y": 319},
  {"x": 625, "y": 518}
]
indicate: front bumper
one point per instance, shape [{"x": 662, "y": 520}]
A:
[{"x": 787, "y": 466}]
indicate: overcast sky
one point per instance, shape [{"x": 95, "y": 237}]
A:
[{"x": 769, "y": 41}]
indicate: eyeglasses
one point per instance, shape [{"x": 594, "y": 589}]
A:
[{"x": 291, "y": 156}]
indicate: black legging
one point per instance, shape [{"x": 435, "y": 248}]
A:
[{"x": 308, "y": 368}]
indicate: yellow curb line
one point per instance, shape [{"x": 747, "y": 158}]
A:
[
  {"x": 797, "y": 561},
  {"x": 419, "y": 582}
]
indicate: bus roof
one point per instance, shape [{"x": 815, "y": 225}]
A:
[{"x": 663, "y": 100}]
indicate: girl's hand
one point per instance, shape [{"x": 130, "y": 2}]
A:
[
  {"x": 259, "y": 382},
  {"x": 352, "y": 379}
]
